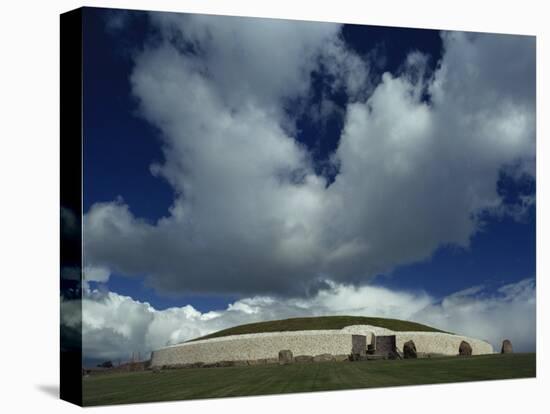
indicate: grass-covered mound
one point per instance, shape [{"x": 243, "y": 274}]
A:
[{"x": 320, "y": 322}]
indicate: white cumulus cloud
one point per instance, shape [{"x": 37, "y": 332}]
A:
[{"x": 250, "y": 215}]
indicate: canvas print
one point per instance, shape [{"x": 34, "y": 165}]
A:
[{"x": 257, "y": 206}]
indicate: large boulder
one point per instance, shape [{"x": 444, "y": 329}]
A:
[
  {"x": 303, "y": 358},
  {"x": 239, "y": 363},
  {"x": 465, "y": 349},
  {"x": 409, "y": 350},
  {"x": 323, "y": 358},
  {"x": 261, "y": 361},
  {"x": 506, "y": 347},
  {"x": 285, "y": 357},
  {"x": 223, "y": 364}
]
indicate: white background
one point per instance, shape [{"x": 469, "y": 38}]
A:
[{"x": 29, "y": 204}]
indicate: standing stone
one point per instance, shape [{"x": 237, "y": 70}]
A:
[
  {"x": 358, "y": 344},
  {"x": 285, "y": 357},
  {"x": 506, "y": 347},
  {"x": 409, "y": 350},
  {"x": 386, "y": 345},
  {"x": 465, "y": 349}
]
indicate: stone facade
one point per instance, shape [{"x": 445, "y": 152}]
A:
[
  {"x": 436, "y": 343},
  {"x": 266, "y": 346},
  {"x": 254, "y": 346}
]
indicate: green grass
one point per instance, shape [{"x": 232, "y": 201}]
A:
[
  {"x": 322, "y": 322},
  {"x": 195, "y": 383}
]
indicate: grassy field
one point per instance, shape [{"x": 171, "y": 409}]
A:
[
  {"x": 322, "y": 322},
  {"x": 195, "y": 383}
]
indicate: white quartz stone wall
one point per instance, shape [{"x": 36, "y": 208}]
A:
[
  {"x": 254, "y": 346},
  {"x": 441, "y": 343},
  {"x": 367, "y": 330},
  {"x": 335, "y": 342}
]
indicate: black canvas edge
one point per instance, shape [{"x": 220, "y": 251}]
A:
[{"x": 70, "y": 381}]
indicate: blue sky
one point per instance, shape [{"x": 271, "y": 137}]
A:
[{"x": 367, "y": 124}]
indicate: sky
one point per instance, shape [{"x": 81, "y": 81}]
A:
[{"x": 243, "y": 169}]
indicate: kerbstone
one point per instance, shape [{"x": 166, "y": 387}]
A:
[
  {"x": 324, "y": 358},
  {"x": 285, "y": 357},
  {"x": 465, "y": 349}
]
